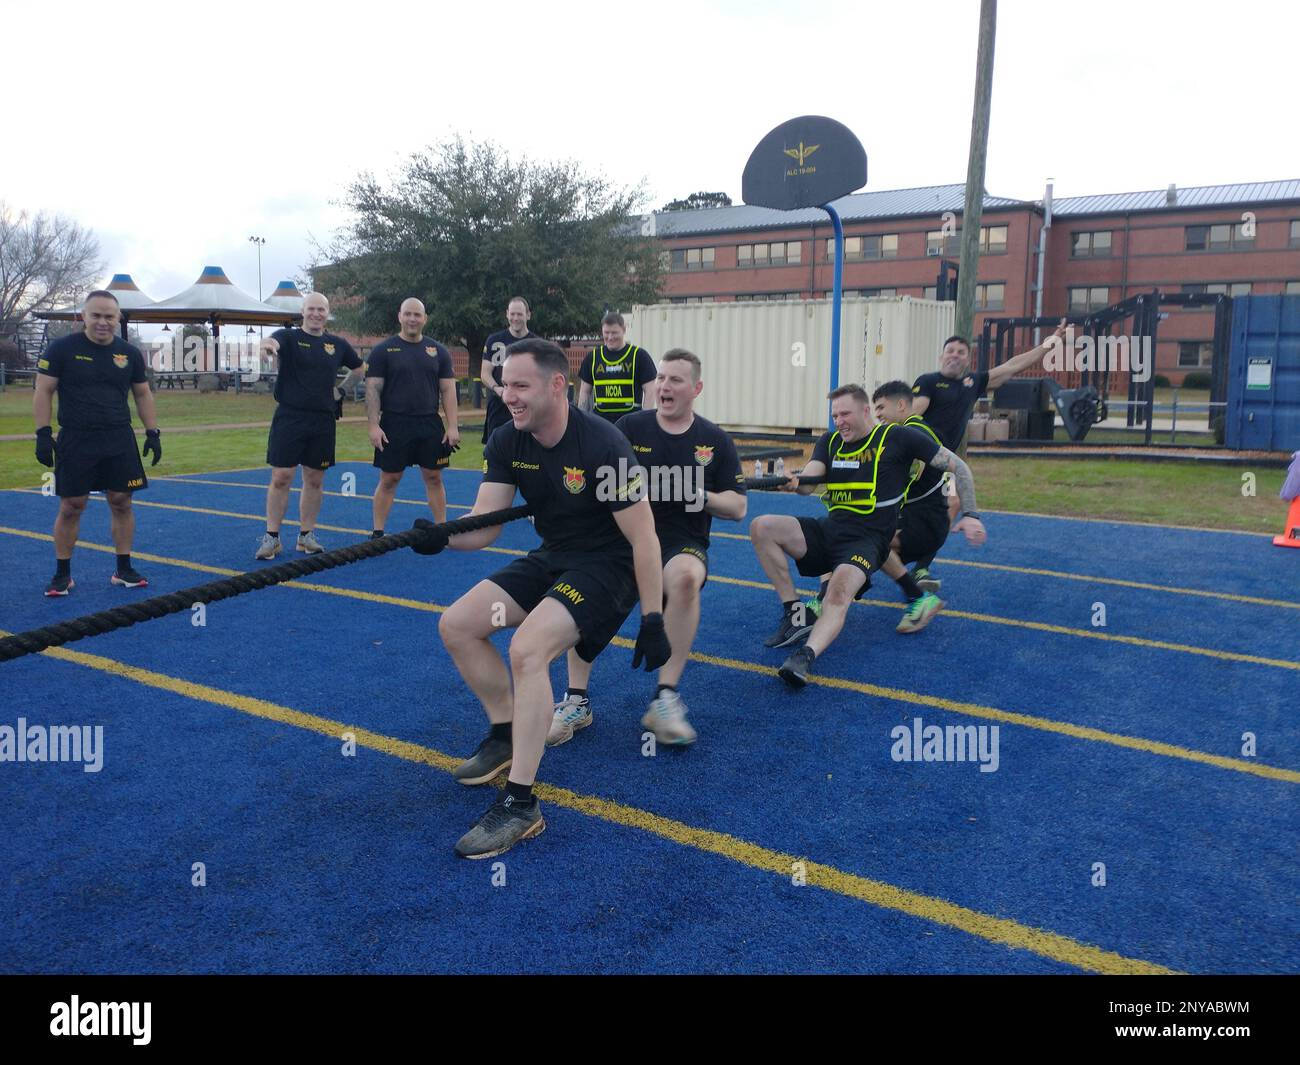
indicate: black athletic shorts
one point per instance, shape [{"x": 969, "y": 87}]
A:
[
  {"x": 498, "y": 414},
  {"x": 598, "y": 590},
  {"x": 97, "y": 460},
  {"x": 836, "y": 541},
  {"x": 413, "y": 440},
  {"x": 922, "y": 530},
  {"x": 301, "y": 438},
  {"x": 672, "y": 544}
]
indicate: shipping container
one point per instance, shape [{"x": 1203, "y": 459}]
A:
[
  {"x": 1263, "y": 411},
  {"x": 767, "y": 365}
]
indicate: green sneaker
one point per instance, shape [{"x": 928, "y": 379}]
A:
[
  {"x": 813, "y": 607},
  {"x": 920, "y": 612}
]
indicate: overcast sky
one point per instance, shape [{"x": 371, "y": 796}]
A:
[{"x": 175, "y": 131}]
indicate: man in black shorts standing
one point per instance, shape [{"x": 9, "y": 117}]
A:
[
  {"x": 692, "y": 474},
  {"x": 92, "y": 372},
  {"x": 617, "y": 378},
  {"x": 406, "y": 376},
  {"x": 867, "y": 471},
  {"x": 924, "y": 522},
  {"x": 598, "y": 555},
  {"x": 302, "y": 430},
  {"x": 494, "y": 354},
  {"x": 946, "y": 399}
]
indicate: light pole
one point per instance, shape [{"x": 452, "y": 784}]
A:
[{"x": 259, "y": 241}]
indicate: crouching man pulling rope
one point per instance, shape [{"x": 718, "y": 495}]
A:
[{"x": 599, "y": 554}]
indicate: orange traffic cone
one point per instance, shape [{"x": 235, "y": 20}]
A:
[{"x": 1291, "y": 534}]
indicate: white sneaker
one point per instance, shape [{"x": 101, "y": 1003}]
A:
[
  {"x": 572, "y": 714},
  {"x": 268, "y": 546},
  {"x": 666, "y": 718},
  {"x": 308, "y": 543}
]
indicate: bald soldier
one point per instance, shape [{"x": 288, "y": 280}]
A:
[
  {"x": 92, "y": 372},
  {"x": 406, "y": 376},
  {"x": 303, "y": 429}
]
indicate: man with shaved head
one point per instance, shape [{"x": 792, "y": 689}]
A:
[
  {"x": 302, "y": 432},
  {"x": 406, "y": 376}
]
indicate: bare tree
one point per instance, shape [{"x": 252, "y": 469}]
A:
[{"x": 45, "y": 260}]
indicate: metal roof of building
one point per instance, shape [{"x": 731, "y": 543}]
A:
[
  {"x": 858, "y": 207},
  {"x": 1200, "y": 196}
]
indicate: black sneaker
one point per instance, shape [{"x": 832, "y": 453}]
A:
[
  {"x": 506, "y": 823},
  {"x": 797, "y": 667},
  {"x": 376, "y": 534},
  {"x": 60, "y": 586},
  {"x": 128, "y": 578},
  {"x": 491, "y": 758},
  {"x": 795, "y": 625}
]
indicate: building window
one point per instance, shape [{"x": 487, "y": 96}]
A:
[
  {"x": 1217, "y": 288},
  {"x": 693, "y": 258},
  {"x": 930, "y": 292},
  {"x": 768, "y": 297},
  {"x": 1194, "y": 353},
  {"x": 858, "y": 249},
  {"x": 1091, "y": 245},
  {"x": 1223, "y": 236},
  {"x": 1294, "y": 242},
  {"x": 1083, "y": 300},
  {"x": 993, "y": 241},
  {"x": 780, "y": 253},
  {"x": 692, "y": 299},
  {"x": 990, "y": 297},
  {"x": 1292, "y": 288},
  {"x": 862, "y": 293}
]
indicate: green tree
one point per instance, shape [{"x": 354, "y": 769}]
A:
[
  {"x": 464, "y": 227},
  {"x": 698, "y": 201}
]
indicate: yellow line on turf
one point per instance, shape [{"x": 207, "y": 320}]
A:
[
  {"x": 347, "y": 593},
  {"x": 1061, "y": 630},
  {"x": 340, "y": 495},
  {"x": 992, "y": 619},
  {"x": 1057, "y": 574},
  {"x": 1043, "y": 724},
  {"x": 1087, "y": 578},
  {"x": 999, "y": 930}
]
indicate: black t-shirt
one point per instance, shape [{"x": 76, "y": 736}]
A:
[
  {"x": 702, "y": 457},
  {"x": 925, "y": 490},
  {"x": 573, "y": 487},
  {"x": 494, "y": 354},
  {"x": 884, "y": 459},
  {"x": 951, "y": 402},
  {"x": 94, "y": 380},
  {"x": 309, "y": 367},
  {"x": 411, "y": 371},
  {"x": 617, "y": 378}
]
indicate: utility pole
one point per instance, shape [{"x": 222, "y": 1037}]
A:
[{"x": 979, "y": 139}]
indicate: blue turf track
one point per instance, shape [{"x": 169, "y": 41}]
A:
[{"x": 320, "y": 863}]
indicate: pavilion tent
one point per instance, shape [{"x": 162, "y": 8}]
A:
[{"x": 129, "y": 298}]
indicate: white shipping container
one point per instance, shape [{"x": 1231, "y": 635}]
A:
[{"x": 767, "y": 365}]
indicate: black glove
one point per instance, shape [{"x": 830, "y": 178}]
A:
[
  {"x": 651, "y": 643},
  {"x": 45, "y": 446},
  {"x": 339, "y": 395},
  {"x": 434, "y": 539},
  {"x": 152, "y": 443}
]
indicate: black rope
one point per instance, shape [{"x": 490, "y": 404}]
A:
[{"x": 37, "y": 640}]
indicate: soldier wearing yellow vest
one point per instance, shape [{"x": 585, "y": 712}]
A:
[
  {"x": 924, "y": 523},
  {"x": 617, "y": 378},
  {"x": 867, "y": 470}
]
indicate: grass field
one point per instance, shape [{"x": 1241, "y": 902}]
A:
[{"x": 1129, "y": 490}]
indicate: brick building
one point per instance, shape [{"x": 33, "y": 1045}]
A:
[{"x": 1238, "y": 239}]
